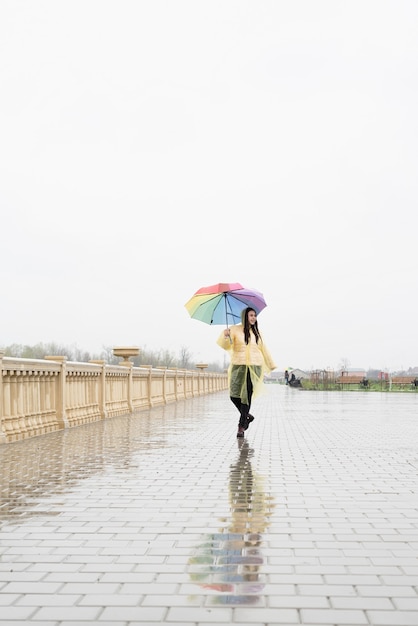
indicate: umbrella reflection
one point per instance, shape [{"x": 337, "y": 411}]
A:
[{"x": 230, "y": 562}]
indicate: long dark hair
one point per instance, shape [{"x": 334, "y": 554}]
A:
[{"x": 248, "y": 327}]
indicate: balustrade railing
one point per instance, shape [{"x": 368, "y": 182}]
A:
[{"x": 40, "y": 396}]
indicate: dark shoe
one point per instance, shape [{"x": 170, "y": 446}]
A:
[
  {"x": 240, "y": 432},
  {"x": 250, "y": 418}
]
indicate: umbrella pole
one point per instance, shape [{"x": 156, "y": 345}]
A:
[{"x": 226, "y": 316}]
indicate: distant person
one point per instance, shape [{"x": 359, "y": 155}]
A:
[
  {"x": 250, "y": 360},
  {"x": 292, "y": 378},
  {"x": 286, "y": 377}
]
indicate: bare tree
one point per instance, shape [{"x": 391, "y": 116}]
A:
[
  {"x": 185, "y": 357},
  {"x": 345, "y": 364}
]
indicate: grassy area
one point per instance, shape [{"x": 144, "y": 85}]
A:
[{"x": 374, "y": 385}]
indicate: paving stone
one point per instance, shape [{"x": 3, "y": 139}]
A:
[{"x": 165, "y": 517}]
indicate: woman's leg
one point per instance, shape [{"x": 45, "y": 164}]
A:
[
  {"x": 246, "y": 407},
  {"x": 237, "y": 402},
  {"x": 241, "y": 391},
  {"x": 237, "y": 379},
  {"x": 249, "y": 390},
  {"x": 243, "y": 411}
]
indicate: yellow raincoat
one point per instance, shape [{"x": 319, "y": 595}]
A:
[{"x": 253, "y": 356}]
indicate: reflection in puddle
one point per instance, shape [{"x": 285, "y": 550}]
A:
[
  {"x": 35, "y": 472},
  {"x": 230, "y": 562}
]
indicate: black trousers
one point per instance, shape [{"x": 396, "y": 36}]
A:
[{"x": 244, "y": 409}]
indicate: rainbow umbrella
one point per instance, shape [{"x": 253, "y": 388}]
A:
[{"x": 222, "y": 303}]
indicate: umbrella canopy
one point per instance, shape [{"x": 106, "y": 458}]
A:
[{"x": 222, "y": 303}]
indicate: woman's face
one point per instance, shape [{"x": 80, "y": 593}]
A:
[{"x": 252, "y": 317}]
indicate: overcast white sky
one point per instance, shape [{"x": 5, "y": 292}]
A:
[{"x": 148, "y": 148}]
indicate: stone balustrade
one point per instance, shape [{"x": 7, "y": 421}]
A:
[{"x": 40, "y": 396}]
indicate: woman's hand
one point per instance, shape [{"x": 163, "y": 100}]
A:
[{"x": 227, "y": 333}]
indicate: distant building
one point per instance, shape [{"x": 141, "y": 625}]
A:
[
  {"x": 299, "y": 374},
  {"x": 353, "y": 371},
  {"x": 274, "y": 377},
  {"x": 277, "y": 376}
]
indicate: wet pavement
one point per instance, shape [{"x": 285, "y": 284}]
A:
[{"x": 165, "y": 517}]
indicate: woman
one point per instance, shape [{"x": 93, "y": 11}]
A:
[{"x": 250, "y": 359}]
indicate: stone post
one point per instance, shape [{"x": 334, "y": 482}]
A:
[
  {"x": 102, "y": 392},
  {"x": 126, "y": 352},
  {"x": 149, "y": 383},
  {"x": 176, "y": 383},
  {"x": 2, "y": 432},
  {"x": 164, "y": 368},
  {"x": 61, "y": 386},
  {"x": 201, "y": 380}
]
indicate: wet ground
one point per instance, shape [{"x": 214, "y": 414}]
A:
[{"x": 165, "y": 517}]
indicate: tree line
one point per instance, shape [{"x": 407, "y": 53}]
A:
[{"x": 184, "y": 359}]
